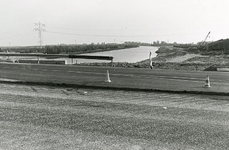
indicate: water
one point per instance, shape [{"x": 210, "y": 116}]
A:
[{"x": 131, "y": 55}]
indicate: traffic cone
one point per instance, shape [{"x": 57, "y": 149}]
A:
[
  {"x": 108, "y": 77},
  {"x": 207, "y": 82}
]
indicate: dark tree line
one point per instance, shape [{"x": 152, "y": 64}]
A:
[{"x": 70, "y": 49}]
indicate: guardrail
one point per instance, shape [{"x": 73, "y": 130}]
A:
[{"x": 60, "y": 56}]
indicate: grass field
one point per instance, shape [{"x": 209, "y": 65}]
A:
[{"x": 42, "y": 117}]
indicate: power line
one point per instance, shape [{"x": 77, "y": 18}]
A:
[
  {"x": 127, "y": 29},
  {"x": 97, "y": 35},
  {"x": 100, "y": 35},
  {"x": 16, "y": 35},
  {"x": 40, "y": 29}
]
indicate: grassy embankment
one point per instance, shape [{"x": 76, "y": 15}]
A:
[
  {"x": 188, "y": 59},
  {"x": 177, "y": 59}
]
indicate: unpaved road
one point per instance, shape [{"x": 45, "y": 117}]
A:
[{"x": 42, "y": 117}]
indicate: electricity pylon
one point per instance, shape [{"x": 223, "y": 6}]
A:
[{"x": 40, "y": 29}]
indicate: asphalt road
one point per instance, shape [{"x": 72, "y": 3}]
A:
[
  {"x": 44, "y": 117},
  {"x": 124, "y": 78}
]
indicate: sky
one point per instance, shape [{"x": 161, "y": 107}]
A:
[{"x": 112, "y": 21}]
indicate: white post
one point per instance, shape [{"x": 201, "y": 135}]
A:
[
  {"x": 108, "y": 77},
  {"x": 150, "y": 60}
]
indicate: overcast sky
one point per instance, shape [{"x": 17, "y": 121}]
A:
[{"x": 93, "y": 21}]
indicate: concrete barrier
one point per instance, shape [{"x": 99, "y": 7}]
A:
[
  {"x": 59, "y": 62},
  {"x": 27, "y": 61}
]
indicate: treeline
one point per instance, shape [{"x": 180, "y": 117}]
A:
[{"x": 69, "y": 49}]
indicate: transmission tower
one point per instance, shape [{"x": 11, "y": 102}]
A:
[{"x": 40, "y": 29}]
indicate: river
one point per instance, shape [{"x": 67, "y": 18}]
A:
[{"x": 131, "y": 55}]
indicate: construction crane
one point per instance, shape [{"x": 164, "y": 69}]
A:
[{"x": 202, "y": 44}]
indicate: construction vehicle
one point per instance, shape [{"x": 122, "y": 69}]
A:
[
  {"x": 203, "y": 45},
  {"x": 200, "y": 46}
]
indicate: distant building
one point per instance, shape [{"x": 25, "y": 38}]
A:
[{"x": 221, "y": 45}]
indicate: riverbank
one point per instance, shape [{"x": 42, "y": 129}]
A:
[
  {"x": 167, "y": 57},
  {"x": 173, "y": 58},
  {"x": 186, "y": 59}
]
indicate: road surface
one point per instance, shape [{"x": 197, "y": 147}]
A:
[
  {"x": 122, "y": 78},
  {"x": 45, "y": 117}
]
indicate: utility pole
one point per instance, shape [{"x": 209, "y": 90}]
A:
[{"x": 40, "y": 29}]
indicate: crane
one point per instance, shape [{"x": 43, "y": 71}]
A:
[
  {"x": 201, "y": 46},
  {"x": 205, "y": 39}
]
